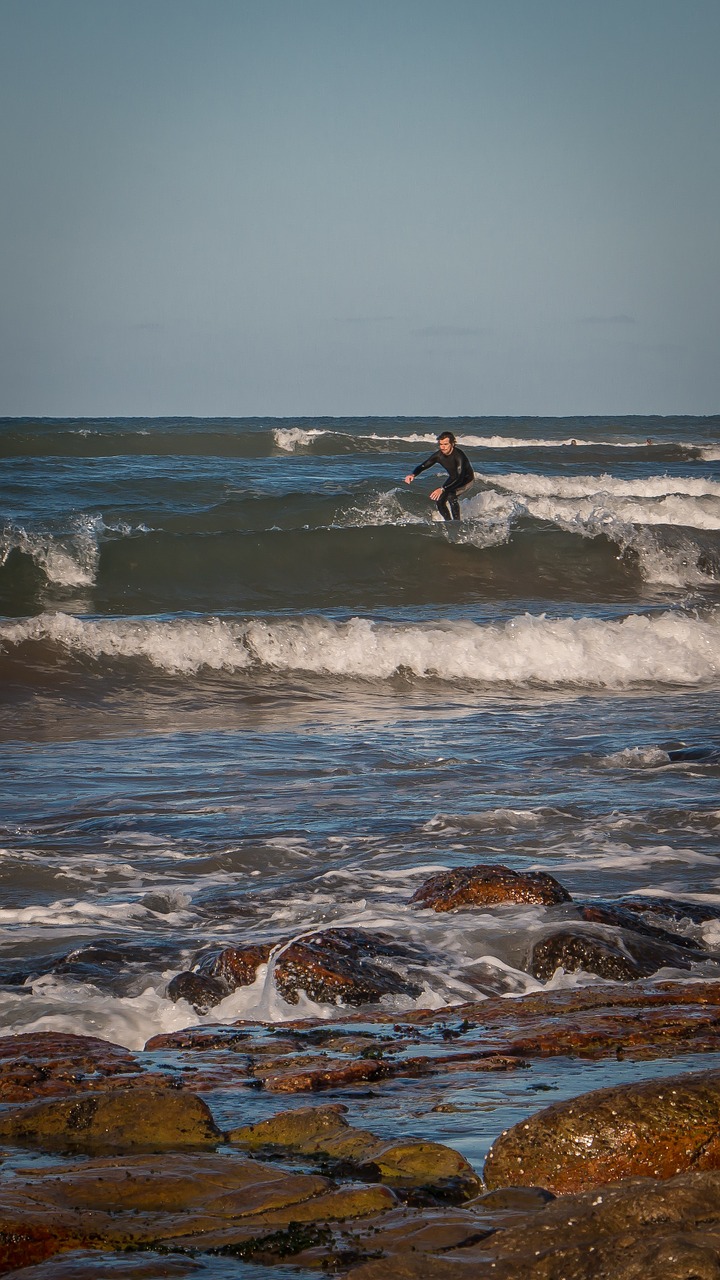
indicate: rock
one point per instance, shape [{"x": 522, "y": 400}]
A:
[
  {"x": 50, "y": 1064},
  {"x": 303, "y": 1130},
  {"x": 186, "y": 1201},
  {"x": 201, "y": 991},
  {"x": 674, "y": 909},
  {"x": 334, "y": 966},
  {"x": 146, "y": 1119},
  {"x": 339, "y": 966},
  {"x": 323, "y": 1132},
  {"x": 633, "y": 1230},
  {"x": 620, "y": 917},
  {"x": 235, "y": 966},
  {"x": 483, "y": 886},
  {"x": 621, "y": 957},
  {"x": 657, "y": 1128}
]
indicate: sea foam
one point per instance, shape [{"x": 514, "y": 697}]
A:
[{"x": 671, "y": 648}]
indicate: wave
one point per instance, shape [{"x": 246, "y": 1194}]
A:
[
  {"x": 255, "y": 437},
  {"x": 377, "y": 554},
  {"x": 668, "y": 649}
]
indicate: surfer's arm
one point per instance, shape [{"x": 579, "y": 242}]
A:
[{"x": 429, "y": 462}]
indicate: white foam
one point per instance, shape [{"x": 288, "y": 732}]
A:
[
  {"x": 66, "y": 561},
  {"x": 599, "y": 504},
  {"x": 291, "y": 438},
  {"x": 671, "y": 648},
  {"x": 534, "y": 485}
]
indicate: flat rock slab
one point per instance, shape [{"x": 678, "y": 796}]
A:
[
  {"x": 633, "y": 1230},
  {"x": 146, "y": 1119},
  {"x": 640, "y": 1020},
  {"x": 47, "y": 1064}
]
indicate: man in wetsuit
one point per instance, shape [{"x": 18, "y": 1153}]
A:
[{"x": 460, "y": 475}]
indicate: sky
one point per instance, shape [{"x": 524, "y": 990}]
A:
[{"x": 339, "y": 207}]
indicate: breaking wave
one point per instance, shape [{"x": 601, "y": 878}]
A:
[{"x": 667, "y": 649}]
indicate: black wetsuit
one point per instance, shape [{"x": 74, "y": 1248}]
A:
[{"x": 460, "y": 477}]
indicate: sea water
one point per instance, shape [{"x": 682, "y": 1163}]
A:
[{"x": 252, "y": 686}]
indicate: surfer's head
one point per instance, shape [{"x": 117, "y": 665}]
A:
[{"x": 446, "y": 440}]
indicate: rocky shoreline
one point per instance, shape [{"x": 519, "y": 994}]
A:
[{"x": 202, "y": 1154}]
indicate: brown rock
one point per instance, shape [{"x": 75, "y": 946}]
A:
[
  {"x": 621, "y": 957},
  {"x": 623, "y": 918},
  {"x": 483, "y": 886},
  {"x": 334, "y": 966},
  {"x": 324, "y": 1132},
  {"x": 50, "y": 1064},
  {"x": 657, "y": 1128},
  {"x": 147, "y": 1119},
  {"x": 235, "y": 966},
  {"x": 200, "y": 990},
  {"x": 634, "y": 1230}
]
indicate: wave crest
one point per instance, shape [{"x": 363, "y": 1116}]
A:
[{"x": 671, "y": 648}]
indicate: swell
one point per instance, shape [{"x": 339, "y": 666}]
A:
[
  {"x": 257, "y": 437},
  {"x": 329, "y": 569}
]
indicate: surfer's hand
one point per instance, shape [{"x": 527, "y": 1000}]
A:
[
  {"x": 436, "y": 495},
  {"x": 409, "y": 479}
]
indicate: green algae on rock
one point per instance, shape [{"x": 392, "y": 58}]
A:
[{"x": 139, "y": 1119}]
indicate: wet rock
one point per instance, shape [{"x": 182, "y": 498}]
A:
[
  {"x": 323, "y": 1132},
  {"x": 51, "y": 1064},
  {"x": 674, "y": 909},
  {"x": 340, "y": 966},
  {"x": 621, "y": 957},
  {"x": 235, "y": 966},
  {"x": 656, "y": 1128},
  {"x": 334, "y": 966},
  {"x": 201, "y": 991},
  {"x": 186, "y": 1201},
  {"x": 483, "y": 886},
  {"x": 633, "y": 1230},
  {"x": 619, "y": 916},
  {"x": 148, "y": 1119}
]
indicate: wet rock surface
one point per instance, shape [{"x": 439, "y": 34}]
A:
[
  {"x": 620, "y": 957},
  {"x": 351, "y": 967},
  {"x": 657, "y": 1128},
  {"x": 52, "y": 1064},
  {"x": 487, "y": 885},
  {"x": 311, "y": 1188},
  {"x": 634, "y": 1230},
  {"x": 333, "y": 966}
]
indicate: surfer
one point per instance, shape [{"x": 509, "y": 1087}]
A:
[{"x": 460, "y": 475}]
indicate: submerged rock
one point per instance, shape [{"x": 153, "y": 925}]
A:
[
  {"x": 620, "y": 916},
  {"x": 657, "y": 1128},
  {"x": 487, "y": 885},
  {"x": 620, "y": 957},
  {"x": 675, "y": 909}
]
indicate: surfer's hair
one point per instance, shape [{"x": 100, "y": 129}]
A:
[{"x": 447, "y": 435}]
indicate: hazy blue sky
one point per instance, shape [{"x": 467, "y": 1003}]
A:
[{"x": 301, "y": 207}]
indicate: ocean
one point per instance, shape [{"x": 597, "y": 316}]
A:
[{"x": 251, "y": 687}]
